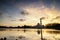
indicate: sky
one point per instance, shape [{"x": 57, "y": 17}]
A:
[{"x": 29, "y": 12}]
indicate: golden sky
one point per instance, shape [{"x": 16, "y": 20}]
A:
[{"x": 29, "y": 13}]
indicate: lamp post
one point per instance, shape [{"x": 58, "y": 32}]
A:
[{"x": 41, "y": 27}]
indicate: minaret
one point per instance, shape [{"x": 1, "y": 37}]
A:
[{"x": 41, "y": 27}]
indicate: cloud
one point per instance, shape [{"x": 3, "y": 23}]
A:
[
  {"x": 10, "y": 16},
  {"x": 24, "y": 13},
  {"x": 13, "y": 20},
  {"x": 58, "y": 17},
  {"x": 21, "y": 20},
  {"x": 1, "y": 13}
]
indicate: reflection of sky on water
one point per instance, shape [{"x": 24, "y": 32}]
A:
[{"x": 30, "y": 34}]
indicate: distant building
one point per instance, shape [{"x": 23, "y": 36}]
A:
[{"x": 38, "y": 25}]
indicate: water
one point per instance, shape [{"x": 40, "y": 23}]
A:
[{"x": 29, "y": 34}]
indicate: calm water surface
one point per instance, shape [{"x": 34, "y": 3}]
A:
[{"x": 29, "y": 34}]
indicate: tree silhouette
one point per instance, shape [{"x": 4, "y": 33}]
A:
[{"x": 53, "y": 26}]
